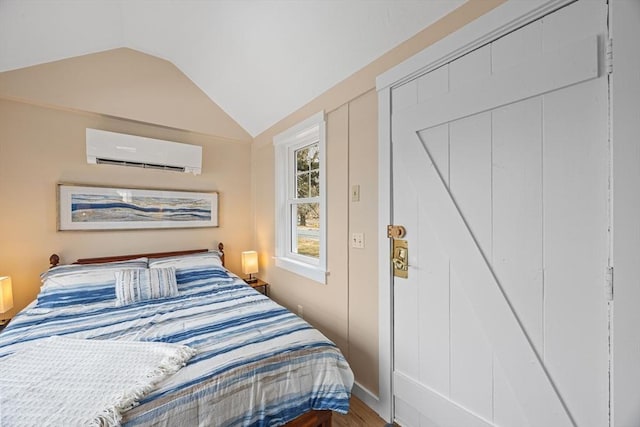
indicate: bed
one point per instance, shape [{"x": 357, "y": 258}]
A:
[{"x": 256, "y": 363}]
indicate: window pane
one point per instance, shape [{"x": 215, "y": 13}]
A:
[
  {"x": 314, "y": 156},
  {"x": 307, "y": 171},
  {"x": 302, "y": 185},
  {"x": 306, "y": 235},
  {"x": 302, "y": 159},
  {"x": 314, "y": 184},
  {"x": 308, "y": 158}
]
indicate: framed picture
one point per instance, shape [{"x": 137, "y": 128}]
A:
[{"x": 105, "y": 208}]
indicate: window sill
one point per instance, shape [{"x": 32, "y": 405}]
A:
[{"x": 311, "y": 272}]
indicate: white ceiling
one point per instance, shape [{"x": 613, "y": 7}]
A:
[{"x": 259, "y": 60}]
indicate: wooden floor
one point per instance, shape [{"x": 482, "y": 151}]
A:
[{"x": 359, "y": 415}]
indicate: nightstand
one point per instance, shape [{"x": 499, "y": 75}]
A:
[
  {"x": 260, "y": 284},
  {"x": 4, "y": 323}
]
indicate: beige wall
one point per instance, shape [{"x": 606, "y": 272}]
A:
[
  {"x": 122, "y": 83},
  {"x": 40, "y": 147},
  {"x": 346, "y": 308},
  {"x": 363, "y": 283}
]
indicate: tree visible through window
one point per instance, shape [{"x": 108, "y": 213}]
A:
[{"x": 306, "y": 239}]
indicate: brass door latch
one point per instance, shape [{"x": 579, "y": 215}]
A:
[
  {"x": 399, "y": 251},
  {"x": 400, "y": 258},
  {"x": 396, "y": 231}
]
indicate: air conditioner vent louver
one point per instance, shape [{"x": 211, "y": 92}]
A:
[
  {"x": 139, "y": 165},
  {"x": 120, "y": 149}
]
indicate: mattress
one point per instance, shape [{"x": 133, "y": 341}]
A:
[{"x": 257, "y": 364}]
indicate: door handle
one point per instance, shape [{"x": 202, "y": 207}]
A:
[
  {"x": 400, "y": 264},
  {"x": 400, "y": 258}
]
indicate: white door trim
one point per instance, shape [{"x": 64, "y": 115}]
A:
[
  {"x": 494, "y": 24},
  {"x": 625, "y": 103},
  {"x": 385, "y": 291}
]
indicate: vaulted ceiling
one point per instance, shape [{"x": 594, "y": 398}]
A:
[{"x": 259, "y": 60}]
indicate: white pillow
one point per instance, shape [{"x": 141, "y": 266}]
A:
[
  {"x": 87, "y": 274},
  {"x": 180, "y": 262}
]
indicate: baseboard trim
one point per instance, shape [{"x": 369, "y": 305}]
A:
[{"x": 364, "y": 394}]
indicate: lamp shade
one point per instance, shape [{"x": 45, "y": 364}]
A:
[
  {"x": 249, "y": 262},
  {"x": 6, "y": 294}
]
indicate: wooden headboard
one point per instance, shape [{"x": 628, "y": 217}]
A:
[{"x": 54, "y": 259}]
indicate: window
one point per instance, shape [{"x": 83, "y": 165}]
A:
[{"x": 300, "y": 199}]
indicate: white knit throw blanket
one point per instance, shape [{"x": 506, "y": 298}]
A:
[{"x": 67, "y": 382}]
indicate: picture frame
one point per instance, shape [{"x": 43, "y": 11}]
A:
[{"x": 85, "y": 207}]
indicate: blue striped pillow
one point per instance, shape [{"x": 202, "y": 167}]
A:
[{"x": 137, "y": 285}]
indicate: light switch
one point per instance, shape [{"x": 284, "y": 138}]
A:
[
  {"x": 357, "y": 240},
  {"x": 355, "y": 193}
]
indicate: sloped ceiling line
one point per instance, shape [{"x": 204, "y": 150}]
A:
[{"x": 258, "y": 60}]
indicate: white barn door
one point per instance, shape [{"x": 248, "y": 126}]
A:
[{"x": 500, "y": 176}]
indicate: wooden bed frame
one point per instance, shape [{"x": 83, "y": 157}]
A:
[
  {"x": 308, "y": 419},
  {"x": 54, "y": 259}
]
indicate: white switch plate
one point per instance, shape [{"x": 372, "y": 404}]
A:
[
  {"x": 355, "y": 193},
  {"x": 357, "y": 240}
]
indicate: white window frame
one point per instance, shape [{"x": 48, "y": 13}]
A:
[{"x": 286, "y": 143}]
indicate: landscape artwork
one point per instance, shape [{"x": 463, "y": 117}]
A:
[{"x": 102, "y": 208}]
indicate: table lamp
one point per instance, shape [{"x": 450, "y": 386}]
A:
[
  {"x": 6, "y": 296},
  {"x": 250, "y": 265}
]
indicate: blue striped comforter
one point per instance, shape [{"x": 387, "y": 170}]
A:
[{"x": 257, "y": 363}]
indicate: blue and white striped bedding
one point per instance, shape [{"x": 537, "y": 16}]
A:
[{"x": 257, "y": 363}]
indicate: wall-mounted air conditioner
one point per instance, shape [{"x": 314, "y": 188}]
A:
[{"x": 129, "y": 150}]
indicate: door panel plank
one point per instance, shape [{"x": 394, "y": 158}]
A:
[
  {"x": 576, "y": 22},
  {"x": 433, "y": 84},
  {"x": 467, "y": 71},
  {"x": 406, "y": 415},
  {"x": 471, "y": 376},
  {"x": 442, "y": 411},
  {"x": 507, "y": 410},
  {"x": 406, "y": 303},
  {"x": 437, "y": 142},
  {"x": 575, "y": 248},
  {"x": 517, "y": 210},
  {"x": 567, "y": 66},
  {"x": 470, "y": 185},
  {"x": 433, "y": 289},
  {"x": 470, "y": 172},
  {"x": 517, "y": 230},
  {"x": 541, "y": 404},
  {"x": 404, "y": 96},
  {"x": 523, "y": 45}
]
